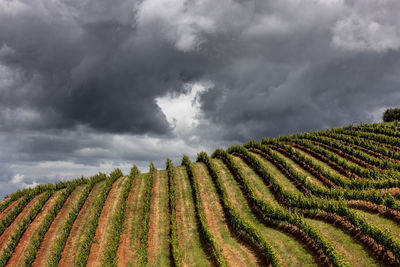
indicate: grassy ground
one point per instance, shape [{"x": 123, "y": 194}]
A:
[
  {"x": 159, "y": 222},
  {"x": 322, "y": 164},
  {"x": 345, "y": 244},
  {"x": 136, "y": 212},
  {"x": 381, "y": 222},
  {"x": 275, "y": 172},
  {"x": 188, "y": 234},
  {"x": 291, "y": 252},
  {"x": 350, "y": 248},
  {"x": 261, "y": 189},
  {"x": 299, "y": 169},
  {"x": 234, "y": 251}
]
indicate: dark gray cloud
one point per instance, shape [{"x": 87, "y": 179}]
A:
[{"x": 90, "y": 85}]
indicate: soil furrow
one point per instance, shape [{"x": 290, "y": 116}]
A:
[
  {"x": 55, "y": 227},
  {"x": 128, "y": 242},
  {"x": 10, "y": 229},
  {"x": 159, "y": 221},
  {"x": 73, "y": 241},
  {"x": 17, "y": 258},
  {"x": 233, "y": 250},
  {"x": 5, "y": 212},
  {"x": 101, "y": 235}
]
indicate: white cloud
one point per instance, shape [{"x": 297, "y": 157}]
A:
[
  {"x": 183, "y": 111},
  {"x": 18, "y": 178}
]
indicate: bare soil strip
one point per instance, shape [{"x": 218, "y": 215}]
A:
[
  {"x": 55, "y": 227},
  {"x": 159, "y": 221},
  {"x": 102, "y": 233},
  {"x": 5, "y": 212},
  {"x": 234, "y": 251},
  {"x": 17, "y": 258},
  {"x": 73, "y": 241},
  {"x": 188, "y": 234},
  {"x": 128, "y": 242},
  {"x": 10, "y": 229}
]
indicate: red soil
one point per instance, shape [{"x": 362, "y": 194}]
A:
[
  {"x": 55, "y": 227},
  {"x": 69, "y": 253},
  {"x": 17, "y": 257},
  {"x": 10, "y": 229},
  {"x": 100, "y": 238}
]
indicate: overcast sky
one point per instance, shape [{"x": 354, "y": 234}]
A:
[{"x": 90, "y": 85}]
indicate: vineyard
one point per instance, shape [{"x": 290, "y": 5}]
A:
[{"x": 324, "y": 198}]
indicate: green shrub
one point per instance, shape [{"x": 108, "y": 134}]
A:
[{"x": 391, "y": 114}]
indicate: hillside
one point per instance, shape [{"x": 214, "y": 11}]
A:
[{"x": 325, "y": 198}]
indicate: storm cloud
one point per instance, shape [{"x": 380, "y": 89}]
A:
[{"x": 90, "y": 85}]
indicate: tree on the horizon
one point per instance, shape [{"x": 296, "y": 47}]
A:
[{"x": 391, "y": 114}]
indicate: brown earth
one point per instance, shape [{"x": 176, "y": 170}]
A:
[
  {"x": 159, "y": 223},
  {"x": 5, "y": 212},
  {"x": 73, "y": 241},
  {"x": 238, "y": 255},
  {"x": 180, "y": 212},
  {"x": 125, "y": 250},
  {"x": 10, "y": 229},
  {"x": 17, "y": 258},
  {"x": 101, "y": 236},
  {"x": 52, "y": 234}
]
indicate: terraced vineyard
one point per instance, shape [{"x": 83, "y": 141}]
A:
[{"x": 327, "y": 198}]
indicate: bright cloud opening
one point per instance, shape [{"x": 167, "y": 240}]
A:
[{"x": 183, "y": 111}]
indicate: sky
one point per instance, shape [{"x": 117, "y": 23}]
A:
[{"x": 93, "y": 85}]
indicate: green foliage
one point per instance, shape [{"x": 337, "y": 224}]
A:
[
  {"x": 37, "y": 238},
  {"x": 59, "y": 243},
  {"x": 21, "y": 228},
  {"x": 305, "y": 203},
  {"x": 174, "y": 243},
  {"x": 244, "y": 227},
  {"x": 391, "y": 114},
  {"x": 205, "y": 233},
  {"x": 143, "y": 248},
  {"x": 273, "y": 213},
  {"x": 110, "y": 258},
  {"x": 90, "y": 231}
]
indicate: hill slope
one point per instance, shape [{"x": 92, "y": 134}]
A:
[{"x": 327, "y": 198}]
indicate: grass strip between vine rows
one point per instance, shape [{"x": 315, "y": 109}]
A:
[
  {"x": 174, "y": 243},
  {"x": 205, "y": 232},
  {"x": 143, "y": 248},
  {"x": 240, "y": 224},
  {"x": 370, "y": 194},
  {"x": 335, "y": 207},
  {"x": 281, "y": 214}
]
